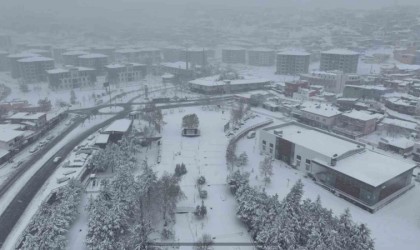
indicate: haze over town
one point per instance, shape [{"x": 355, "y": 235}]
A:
[{"x": 198, "y": 124}]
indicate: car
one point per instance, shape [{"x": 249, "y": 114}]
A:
[
  {"x": 251, "y": 134},
  {"x": 57, "y": 159},
  {"x": 33, "y": 150},
  {"x": 41, "y": 143},
  {"x": 17, "y": 164},
  {"x": 91, "y": 137},
  {"x": 50, "y": 137},
  {"x": 68, "y": 123}
]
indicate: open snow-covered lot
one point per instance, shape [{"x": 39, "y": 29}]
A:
[
  {"x": 396, "y": 226},
  {"x": 203, "y": 156}
]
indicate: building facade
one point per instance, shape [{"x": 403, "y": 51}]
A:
[
  {"x": 72, "y": 57},
  {"x": 34, "y": 69},
  {"x": 129, "y": 72},
  {"x": 94, "y": 61},
  {"x": 292, "y": 62},
  {"x": 339, "y": 59},
  {"x": 339, "y": 164},
  {"x": 261, "y": 57},
  {"x": 233, "y": 55},
  {"x": 332, "y": 81},
  {"x": 71, "y": 77}
]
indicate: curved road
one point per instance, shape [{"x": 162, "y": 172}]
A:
[{"x": 18, "y": 205}]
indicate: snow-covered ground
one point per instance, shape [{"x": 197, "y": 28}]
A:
[
  {"x": 396, "y": 226},
  {"x": 203, "y": 155},
  {"x": 49, "y": 185}
]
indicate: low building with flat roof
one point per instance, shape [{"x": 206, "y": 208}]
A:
[
  {"x": 366, "y": 178},
  {"x": 212, "y": 85},
  {"x": 356, "y": 123},
  {"x": 322, "y": 115},
  {"x": 117, "y": 129}
]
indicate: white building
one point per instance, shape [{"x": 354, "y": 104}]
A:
[
  {"x": 332, "y": 81},
  {"x": 321, "y": 115},
  {"x": 367, "y": 178}
]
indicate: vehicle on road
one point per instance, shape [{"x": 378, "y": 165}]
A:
[
  {"x": 91, "y": 137},
  {"x": 50, "y": 137},
  {"x": 57, "y": 159},
  {"x": 67, "y": 123},
  {"x": 18, "y": 164},
  {"x": 251, "y": 134},
  {"x": 62, "y": 179},
  {"x": 33, "y": 150}
]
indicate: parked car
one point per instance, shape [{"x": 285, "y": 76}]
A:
[{"x": 251, "y": 134}]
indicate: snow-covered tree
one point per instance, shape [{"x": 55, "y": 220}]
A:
[
  {"x": 190, "y": 121},
  {"x": 266, "y": 169},
  {"x": 242, "y": 160}
]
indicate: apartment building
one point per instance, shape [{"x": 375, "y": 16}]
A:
[
  {"x": 339, "y": 59},
  {"x": 292, "y": 62}
]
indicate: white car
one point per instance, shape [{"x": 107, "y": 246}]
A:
[
  {"x": 50, "y": 137},
  {"x": 33, "y": 150}
]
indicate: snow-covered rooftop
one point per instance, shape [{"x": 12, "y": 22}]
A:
[
  {"x": 399, "y": 142},
  {"x": 294, "y": 53},
  {"x": 27, "y": 116},
  {"x": 88, "y": 56},
  {"x": 321, "y": 109},
  {"x": 8, "y": 133},
  {"x": 340, "y": 52},
  {"x": 372, "y": 168},
  {"x": 212, "y": 81},
  {"x": 23, "y": 55},
  {"x": 260, "y": 49},
  {"x": 360, "y": 115},
  {"x": 102, "y": 139},
  {"x": 235, "y": 48},
  {"x": 400, "y": 123},
  {"x": 377, "y": 87},
  {"x": 120, "y": 65},
  {"x": 315, "y": 140},
  {"x": 75, "y": 53},
  {"x": 121, "y": 125},
  {"x": 36, "y": 59}
]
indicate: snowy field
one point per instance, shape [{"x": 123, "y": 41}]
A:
[
  {"x": 48, "y": 186},
  {"x": 203, "y": 155},
  {"x": 396, "y": 226}
]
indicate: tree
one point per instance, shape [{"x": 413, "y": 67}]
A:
[
  {"x": 73, "y": 97},
  {"x": 190, "y": 121},
  {"x": 204, "y": 243},
  {"x": 180, "y": 169},
  {"x": 242, "y": 160},
  {"x": 230, "y": 153},
  {"x": 266, "y": 169}
]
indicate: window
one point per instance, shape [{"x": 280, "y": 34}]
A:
[
  {"x": 271, "y": 150},
  {"x": 264, "y": 142},
  {"x": 271, "y": 145},
  {"x": 298, "y": 157},
  {"x": 308, "y": 161}
]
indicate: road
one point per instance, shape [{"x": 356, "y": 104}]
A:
[{"x": 17, "y": 206}]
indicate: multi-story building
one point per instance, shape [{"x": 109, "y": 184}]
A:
[
  {"x": 261, "y": 57},
  {"x": 34, "y": 69},
  {"x": 32, "y": 120},
  {"x": 374, "y": 92},
  {"x": 129, "y": 72},
  {"x": 355, "y": 123},
  {"x": 95, "y": 61},
  {"x": 322, "y": 115},
  {"x": 72, "y": 57},
  {"x": 5, "y": 42},
  {"x": 234, "y": 55},
  {"x": 173, "y": 54},
  {"x": 181, "y": 70},
  {"x": 292, "y": 62},
  {"x": 71, "y": 77},
  {"x": 127, "y": 55},
  {"x": 14, "y": 65},
  {"x": 150, "y": 56},
  {"x": 105, "y": 50},
  {"x": 332, "y": 81},
  {"x": 197, "y": 56},
  {"x": 339, "y": 59},
  {"x": 366, "y": 178},
  {"x": 41, "y": 52},
  {"x": 4, "y": 64},
  {"x": 403, "y": 105}
]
